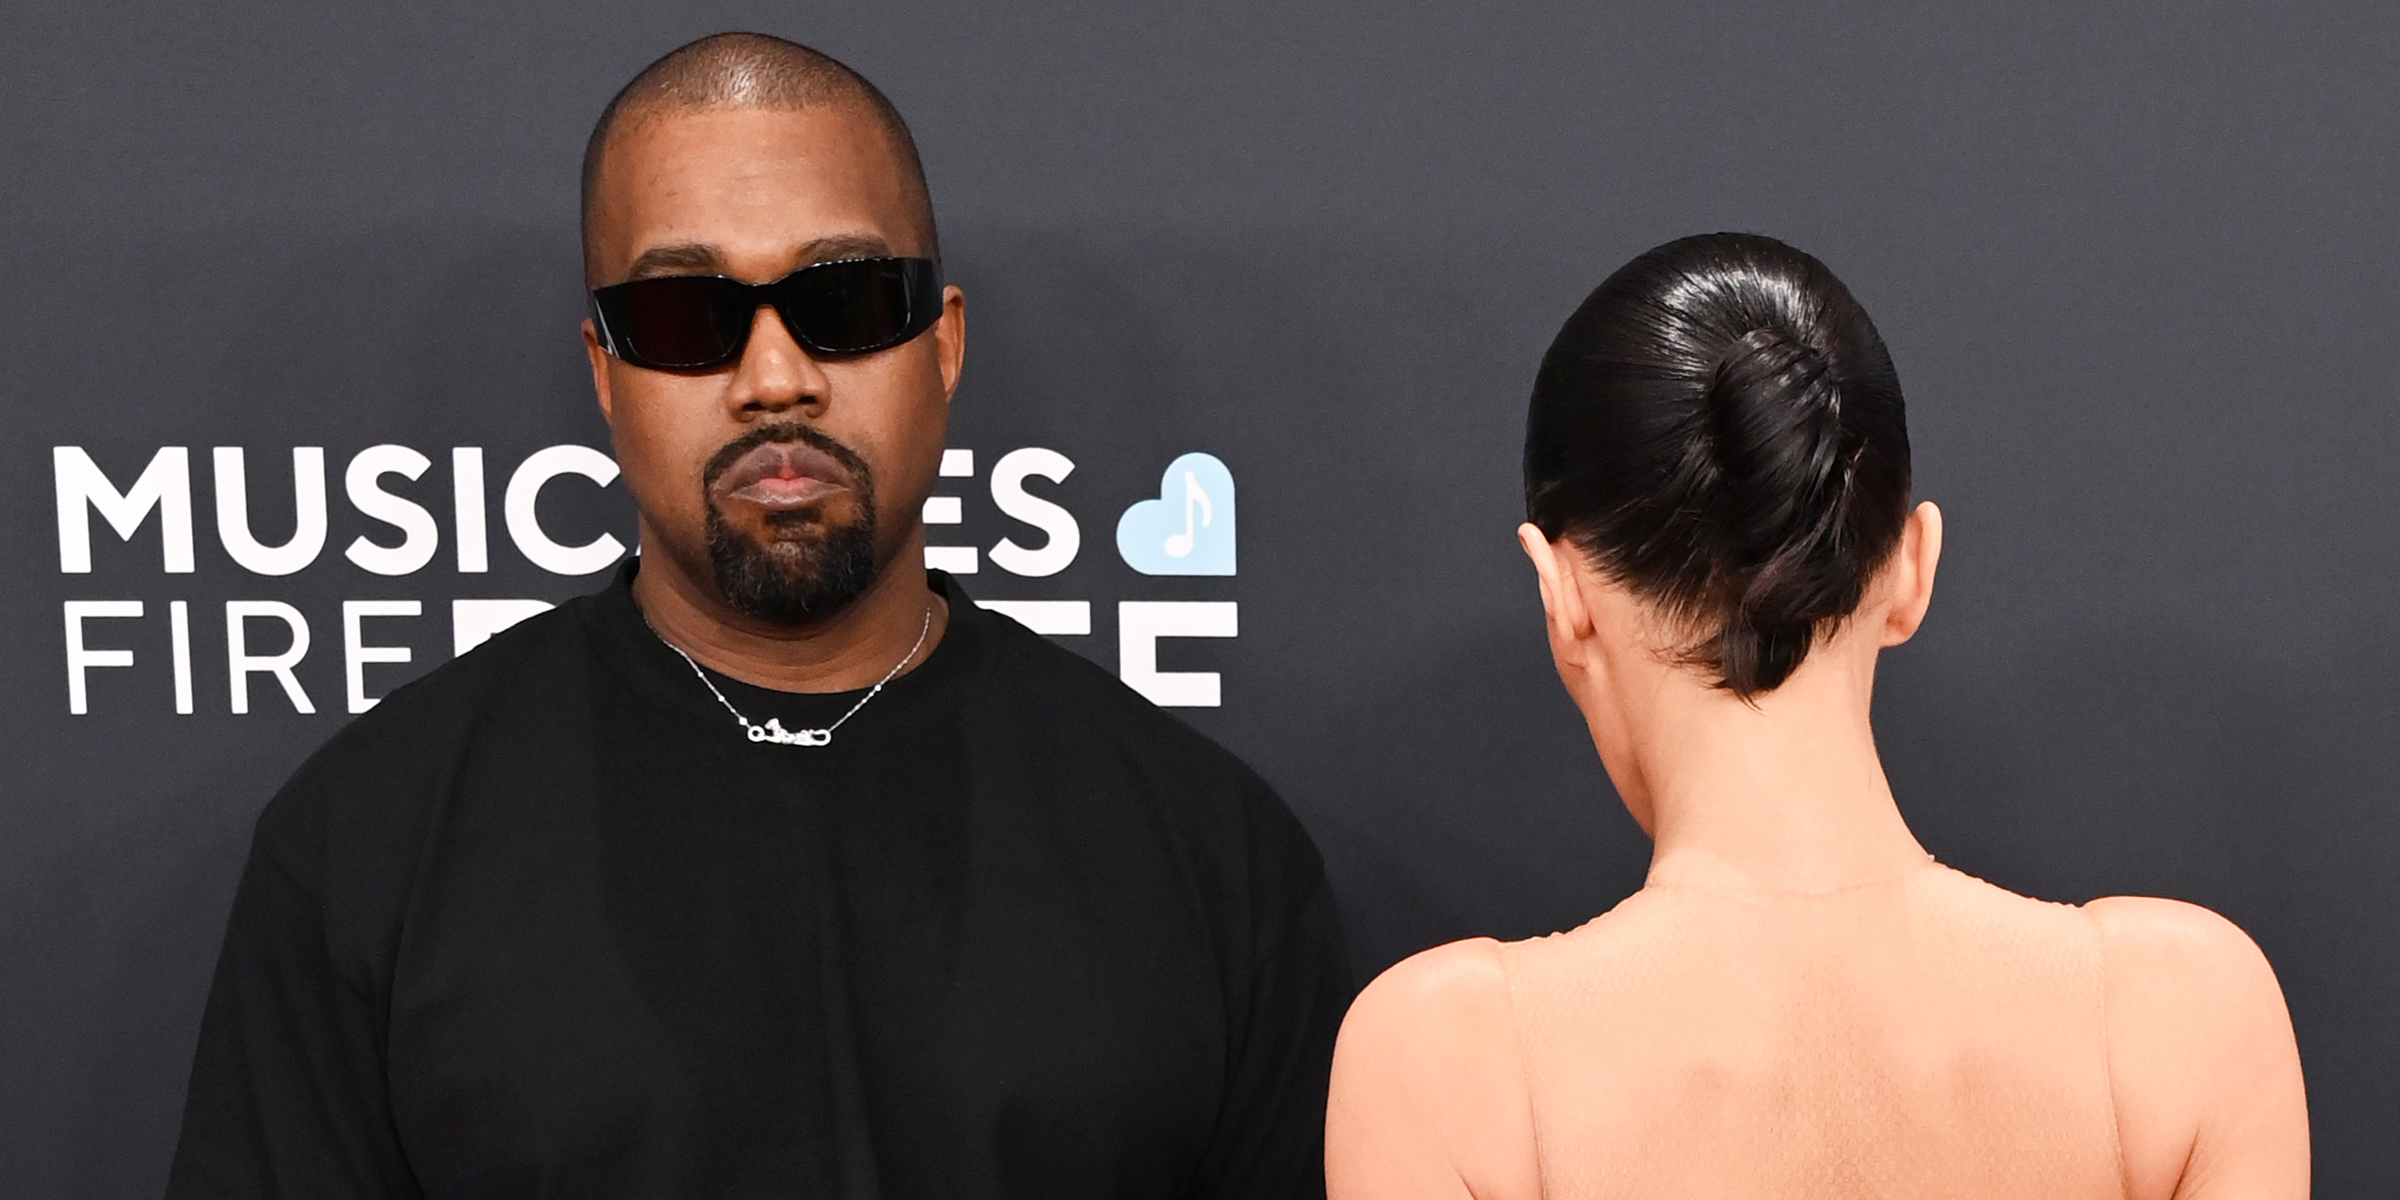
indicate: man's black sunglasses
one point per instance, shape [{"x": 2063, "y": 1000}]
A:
[{"x": 695, "y": 322}]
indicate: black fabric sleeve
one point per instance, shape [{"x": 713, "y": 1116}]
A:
[
  {"x": 287, "y": 1096},
  {"x": 1270, "y": 1136}
]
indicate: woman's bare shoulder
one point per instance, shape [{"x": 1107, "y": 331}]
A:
[
  {"x": 2206, "y": 1073},
  {"x": 2151, "y": 928},
  {"x": 2176, "y": 966},
  {"x": 1469, "y": 970},
  {"x": 1441, "y": 1011},
  {"x": 1428, "y": 1089}
]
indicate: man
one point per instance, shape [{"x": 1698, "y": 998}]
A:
[{"x": 777, "y": 868}]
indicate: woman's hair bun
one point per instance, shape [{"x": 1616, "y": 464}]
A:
[{"x": 1719, "y": 427}]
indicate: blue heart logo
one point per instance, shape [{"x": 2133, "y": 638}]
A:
[{"x": 1188, "y": 530}]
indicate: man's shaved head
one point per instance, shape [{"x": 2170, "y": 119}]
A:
[{"x": 752, "y": 71}]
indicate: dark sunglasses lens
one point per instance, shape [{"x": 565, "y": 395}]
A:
[
  {"x": 854, "y": 307},
  {"x": 676, "y": 321}
]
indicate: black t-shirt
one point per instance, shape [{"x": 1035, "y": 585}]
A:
[{"x": 545, "y": 923}]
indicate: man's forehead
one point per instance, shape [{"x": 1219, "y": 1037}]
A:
[{"x": 694, "y": 190}]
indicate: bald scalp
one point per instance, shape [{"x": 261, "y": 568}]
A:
[{"x": 752, "y": 71}]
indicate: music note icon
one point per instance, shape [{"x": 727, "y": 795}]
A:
[
  {"x": 1195, "y": 497},
  {"x": 1153, "y": 537}
]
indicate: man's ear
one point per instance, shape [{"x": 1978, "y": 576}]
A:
[
  {"x": 950, "y": 339},
  {"x": 599, "y": 361},
  {"x": 1562, "y": 596},
  {"x": 1910, "y": 573}
]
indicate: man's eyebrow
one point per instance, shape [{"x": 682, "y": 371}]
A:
[
  {"x": 841, "y": 246},
  {"x": 685, "y": 258}
]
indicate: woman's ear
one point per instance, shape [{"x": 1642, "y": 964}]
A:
[
  {"x": 1910, "y": 573},
  {"x": 1570, "y": 620}
]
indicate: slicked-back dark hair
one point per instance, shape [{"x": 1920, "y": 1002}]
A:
[
  {"x": 755, "y": 70},
  {"x": 1719, "y": 428}
]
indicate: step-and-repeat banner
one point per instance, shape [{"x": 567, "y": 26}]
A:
[
  {"x": 296, "y": 411},
  {"x": 1188, "y": 529}
]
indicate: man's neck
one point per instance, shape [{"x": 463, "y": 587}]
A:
[{"x": 850, "y": 648}]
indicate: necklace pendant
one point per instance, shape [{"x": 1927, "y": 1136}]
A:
[{"x": 773, "y": 731}]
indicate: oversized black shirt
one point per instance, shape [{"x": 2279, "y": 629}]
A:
[{"x": 545, "y": 924}]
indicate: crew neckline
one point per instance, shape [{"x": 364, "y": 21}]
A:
[{"x": 634, "y": 652}]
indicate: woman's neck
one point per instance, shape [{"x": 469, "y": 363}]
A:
[{"x": 1785, "y": 794}]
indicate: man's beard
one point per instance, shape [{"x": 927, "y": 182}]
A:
[{"x": 797, "y": 580}]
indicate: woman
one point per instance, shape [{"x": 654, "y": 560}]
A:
[{"x": 1799, "y": 1001}]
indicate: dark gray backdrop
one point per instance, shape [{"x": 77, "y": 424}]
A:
[{"x": 2134, "y": 263}]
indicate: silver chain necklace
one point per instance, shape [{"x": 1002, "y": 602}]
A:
[{"x": 773, "y": 730}]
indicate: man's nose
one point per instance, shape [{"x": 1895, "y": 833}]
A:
[{"x": 775, "y": 373}]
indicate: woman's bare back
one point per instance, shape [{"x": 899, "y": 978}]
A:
[
  {"x": 1928, "y": 1036},
  {"x": 1931, "y": 1036}
]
